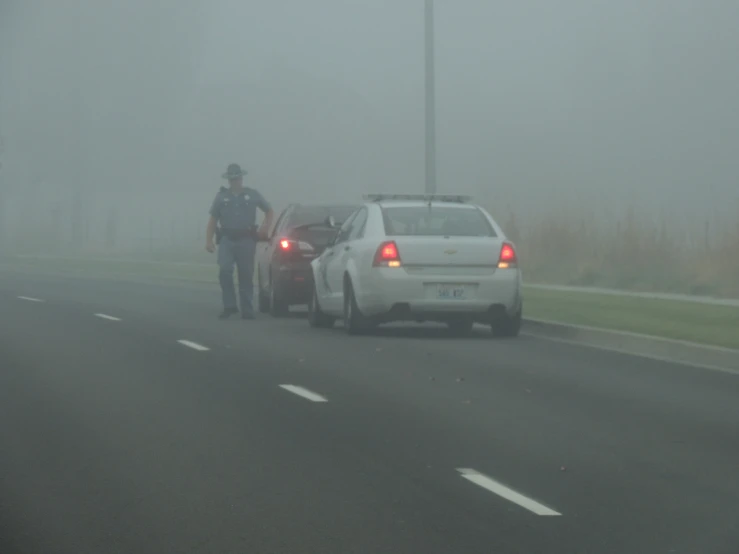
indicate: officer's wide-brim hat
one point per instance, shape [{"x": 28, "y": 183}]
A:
[{"x": 234, "y": 171}]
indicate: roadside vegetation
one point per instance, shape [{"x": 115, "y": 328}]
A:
[{"x": 634, "y": 254}]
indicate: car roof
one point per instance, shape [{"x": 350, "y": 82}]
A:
[{"x": 420, "y": 204}]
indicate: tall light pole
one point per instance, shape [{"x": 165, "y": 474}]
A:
[
  {"x": 2, "y": 199},
  {"x": 430, "y": 101}
]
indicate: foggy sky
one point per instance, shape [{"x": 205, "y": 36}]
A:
[{"x": 541, "y": 105}]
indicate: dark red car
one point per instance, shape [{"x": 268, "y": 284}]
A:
[{"x": 300, "y": 234}]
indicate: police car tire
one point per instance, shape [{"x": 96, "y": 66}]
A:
[
  {"x": 508, "y": 326},
  {"x": 355, "y": 322},
  {"x": 316, "y": 317}
]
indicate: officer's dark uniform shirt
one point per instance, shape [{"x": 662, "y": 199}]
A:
[{"x": 238, "y": 211}]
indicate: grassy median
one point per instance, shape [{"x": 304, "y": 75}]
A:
[{"x": 692, "y": 321}]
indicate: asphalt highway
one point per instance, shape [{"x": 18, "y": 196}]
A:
[{"x": 133, "y": 421}]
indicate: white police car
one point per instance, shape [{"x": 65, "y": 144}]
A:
[{"x": 418, "y": 258}]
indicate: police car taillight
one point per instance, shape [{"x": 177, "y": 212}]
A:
[
  {"x": 387, "y": 255},
  {"x": 507, "y": 257}
]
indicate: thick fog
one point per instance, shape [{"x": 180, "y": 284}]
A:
[{"x": 128, "y": 112}]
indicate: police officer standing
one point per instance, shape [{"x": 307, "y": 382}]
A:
[{"x": 235, "y": 209}]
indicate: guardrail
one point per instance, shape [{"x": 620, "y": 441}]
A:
[{"x": 734, "y": 302}]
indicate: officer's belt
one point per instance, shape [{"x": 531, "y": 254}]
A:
[{"x": 238, "y": 234}]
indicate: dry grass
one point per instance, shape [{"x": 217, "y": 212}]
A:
[{"x": 633, "y": 254}]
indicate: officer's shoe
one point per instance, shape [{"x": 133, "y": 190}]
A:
[
  {"x": 247, "y": 315},
  {"x": 225, "y": 314}
]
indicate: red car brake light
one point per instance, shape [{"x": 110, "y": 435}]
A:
[{"x": 293, "y": 246}]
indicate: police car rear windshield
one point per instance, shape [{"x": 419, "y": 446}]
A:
[
  {"x": 317, "y": 214},
  {"x": 436, "y": 221}
]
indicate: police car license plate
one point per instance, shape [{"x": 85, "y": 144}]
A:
[{"x": 450, "y": 292}]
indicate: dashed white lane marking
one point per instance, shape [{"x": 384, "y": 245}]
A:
[
  {"x": 305, "y": 393},
  {"x": 509, "y": 494},
  {"x": 193, "y": 345},
  {"x": 108, "y": 317},
  {"x": 28, "y": 298}
]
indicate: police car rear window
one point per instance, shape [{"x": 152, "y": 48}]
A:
[{"x": 436, "y": 221}]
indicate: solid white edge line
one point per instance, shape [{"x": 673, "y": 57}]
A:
[
  {"x": 305, "y": 393},
  {"x": 193, "y": 345},
  {"x": 30, "y": 299},
  {"x": 625, "y": 352},
  {"x": 108, "y": 317},
  {"x": 631, "y": 334},
  {"x": 509, "y": 494}
]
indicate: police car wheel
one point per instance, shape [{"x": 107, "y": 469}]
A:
[
  {"x": 355, "y": 323},
  {"x": 316, "y": 316},
  {"x": 508, "y": 326}
]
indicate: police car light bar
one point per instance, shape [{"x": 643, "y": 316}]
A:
[{"x": 457, "y": 198}]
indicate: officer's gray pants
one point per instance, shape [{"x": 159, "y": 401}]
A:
[{"x": 239, "y": 252}]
